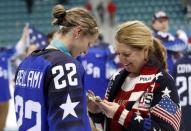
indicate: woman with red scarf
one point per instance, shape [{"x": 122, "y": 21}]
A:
[{"x": 142, "y": 96}]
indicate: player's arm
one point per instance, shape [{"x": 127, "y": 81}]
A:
[{"x": 21, "y": 45}]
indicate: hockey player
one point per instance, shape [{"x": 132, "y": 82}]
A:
[{"x": 49, "y": 93}]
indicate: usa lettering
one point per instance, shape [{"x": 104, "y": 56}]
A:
[
  {"x": 31, "y": 79},
  {"x": 92, "y": 69}
]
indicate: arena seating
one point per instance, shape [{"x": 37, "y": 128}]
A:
[
  {"x": 14, "y": 15},
  {"x": 144, "y": 10}
]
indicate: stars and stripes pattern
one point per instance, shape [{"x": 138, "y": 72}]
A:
[
  {"x": 38, "y": 38},
  {"x": 168, "y": 111}
]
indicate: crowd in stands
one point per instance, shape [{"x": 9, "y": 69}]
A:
[
  {"x": 186, "y": 7},
  {"x": 103, "y": 9}
]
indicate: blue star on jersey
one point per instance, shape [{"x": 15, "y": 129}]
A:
[{"x": 68, "y": 107}]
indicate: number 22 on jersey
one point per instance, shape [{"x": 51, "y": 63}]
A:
[{"x": 71, "y": 81}]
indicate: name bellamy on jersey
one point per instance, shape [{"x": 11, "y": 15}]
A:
[{"x": 31, "y": 79}]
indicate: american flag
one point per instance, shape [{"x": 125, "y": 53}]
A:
[
  {"x": 168, "y": 111},
  {"x": 37, "y": 37}
]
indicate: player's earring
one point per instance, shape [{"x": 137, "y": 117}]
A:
[{"x": 77, "y": 36}]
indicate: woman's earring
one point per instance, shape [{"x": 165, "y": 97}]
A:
[{"x": 145, "y": 59}]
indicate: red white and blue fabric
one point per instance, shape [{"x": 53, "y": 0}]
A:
[
  {"x": 134, "y": 112},
  {"x": 38, "y": 38},
  {"x": 168, "y": 111}
]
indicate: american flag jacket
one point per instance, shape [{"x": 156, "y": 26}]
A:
[{"x": 152, "y": 105}]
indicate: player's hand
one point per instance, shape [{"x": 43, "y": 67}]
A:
[
  {"x": 25, "y": 33},
  {"x": 109, "y": 108}
]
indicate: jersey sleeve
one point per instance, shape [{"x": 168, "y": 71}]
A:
[{"x": 65, "y": 97}]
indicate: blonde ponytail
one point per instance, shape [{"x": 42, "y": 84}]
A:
[{"x": 159, "y": 52}]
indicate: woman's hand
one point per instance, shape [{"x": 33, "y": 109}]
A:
[
  {"x": 92, "y": 102},
  {"x": 109, "y": 108},
  {"x": 93, "y": 107}
]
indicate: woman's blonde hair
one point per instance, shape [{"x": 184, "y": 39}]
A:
[
  {"x": 137, "y": 35},
  {"x": 67, "y": 19}
]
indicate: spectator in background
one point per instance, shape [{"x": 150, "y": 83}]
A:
[
  {"x": 182, "y": 75},
  {"x": 141, "y": 97},
  {"x": 100, "y": 63},
  {"x": 189, "y": 39},
  {"x": 29, "y": 5},
  {"x": 174, "y": 45},
  {"x": 63, "y": 2},
  {"x": 184, "y": 5},
  {"x": 101, "y": 12},
  {"x": 88, "y": 6},
  {"x": 111, "y": 9},
  {"x": 187, "y": 7}
]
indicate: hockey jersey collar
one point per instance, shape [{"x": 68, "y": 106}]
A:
[{"x": 60, "y": 46}]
